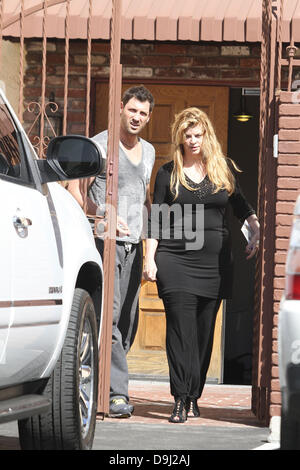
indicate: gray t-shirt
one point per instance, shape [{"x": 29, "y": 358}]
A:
[{"x": 132, "y": 183}]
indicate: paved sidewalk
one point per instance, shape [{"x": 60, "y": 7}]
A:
[
  {"x": 220, "y": 405},
  {"x": 226, "y": 422}
]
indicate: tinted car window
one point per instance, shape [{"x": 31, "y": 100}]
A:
[{"x": 12, "y": 162}]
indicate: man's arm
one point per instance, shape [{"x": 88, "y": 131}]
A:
[
  {"x": 148, "y": 199},
  {"x": 93, "y": 209},
  {"x": 77, "y": 193}
]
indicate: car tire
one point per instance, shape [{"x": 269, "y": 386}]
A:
[
  {"x": 289, "y": 432},
  {"x": 72, "y": 387}
]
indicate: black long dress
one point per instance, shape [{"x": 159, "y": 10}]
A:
[{"x": 205, "y": 271}]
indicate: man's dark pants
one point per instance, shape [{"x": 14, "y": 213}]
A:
[{"x": 128, "y": 274}]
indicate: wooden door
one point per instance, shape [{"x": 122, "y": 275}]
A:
[{"x": 147, "y": 355}]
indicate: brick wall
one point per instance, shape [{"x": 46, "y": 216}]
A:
[
  {"x": 288, "y": 186},
  {"x": 178, "y": 61}
]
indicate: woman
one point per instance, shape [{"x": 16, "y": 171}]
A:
[{"x": 193, "y": 277}]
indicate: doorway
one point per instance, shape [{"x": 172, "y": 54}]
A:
[
  {"x": 147, "y": 356},
  {"x": 243, "y": 148}
]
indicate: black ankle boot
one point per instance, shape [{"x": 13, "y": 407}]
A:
[
  {"x": 191, "y": 407},
  {"x": 179, "y": 412}
]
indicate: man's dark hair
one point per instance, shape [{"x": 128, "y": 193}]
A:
[{"x": 140, "y": 93}]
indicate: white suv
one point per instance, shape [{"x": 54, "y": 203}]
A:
[
  {"x": 51, "y": 292},
  {"x": 289, "y": 342}
]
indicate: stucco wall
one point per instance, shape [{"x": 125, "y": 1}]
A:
[{"x": 9, "y": 71}]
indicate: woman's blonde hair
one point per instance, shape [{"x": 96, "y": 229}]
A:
[{"x": 215, "y": 162}]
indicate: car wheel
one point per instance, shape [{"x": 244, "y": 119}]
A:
[
  {"x": 289, "y": 432},
  {"x": 72, "y": 387}
]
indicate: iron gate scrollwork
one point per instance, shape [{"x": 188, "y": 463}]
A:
[{"x": 41, "y": 139}]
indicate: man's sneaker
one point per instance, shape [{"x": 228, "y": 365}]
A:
[
  {"x": 119, "y": 408},
  {"x": 131, "y": 407}
]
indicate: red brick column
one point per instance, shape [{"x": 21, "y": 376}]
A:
[{"x": 288, "y": 188}]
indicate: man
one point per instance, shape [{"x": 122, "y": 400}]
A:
[{"x": 136, "y": 159}]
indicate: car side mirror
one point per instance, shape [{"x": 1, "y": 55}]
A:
[{"x": 71, "y": 157}]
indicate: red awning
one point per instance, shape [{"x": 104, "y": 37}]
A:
[{"x": 161, "y": 20}]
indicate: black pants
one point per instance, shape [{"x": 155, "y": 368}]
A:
[
  {"x": 189, "y": 340},
  {"x": 127, "y": 282}
]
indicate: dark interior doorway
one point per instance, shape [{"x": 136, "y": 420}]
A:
[{"x": 243, "y": 148}]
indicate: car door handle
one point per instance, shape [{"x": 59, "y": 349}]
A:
[
  {"x": 21, "y": 225},
  {"x": 21, "y": 222}
]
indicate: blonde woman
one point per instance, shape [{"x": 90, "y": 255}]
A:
[{"x": 193, "y": 275}]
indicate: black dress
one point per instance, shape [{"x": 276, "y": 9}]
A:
[{"x": 203, "y": 269}]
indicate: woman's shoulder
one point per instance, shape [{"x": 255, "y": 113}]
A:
[
  {"x": 167, "y": 167},
  {"x": 164, "y": 172}
]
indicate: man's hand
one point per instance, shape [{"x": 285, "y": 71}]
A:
[{"x": 101, "y": 229}]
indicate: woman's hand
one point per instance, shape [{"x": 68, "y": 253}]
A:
[
  {"x": 150, "y": 270},
  {"x": 253, "y": 245}
]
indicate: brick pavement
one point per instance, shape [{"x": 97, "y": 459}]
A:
[{"x": 220, "y": 405}]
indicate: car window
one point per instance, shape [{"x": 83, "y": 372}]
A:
[{"x": 12, "y": 160}]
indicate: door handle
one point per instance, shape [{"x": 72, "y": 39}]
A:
[{"x": 21, "y": 225}]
